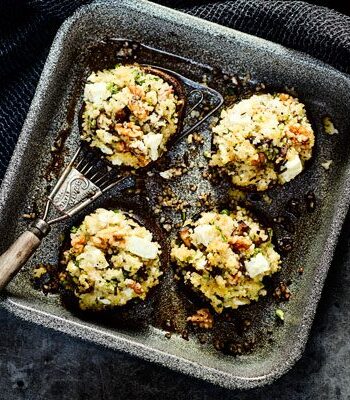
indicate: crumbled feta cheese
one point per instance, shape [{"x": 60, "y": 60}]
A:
[
  {"x": 141, "y": 247},
  {"x": 201, "y": 263},
  {"x": 92, "y": 256},
  {"x": 257, "y": 265},
  {"x": 103, "y": 218},
  {"x": 237, "y": 117},
  {"x": 96, "y": 92},
  {"x": 204, "y": 234},
  {"x": 241, "y": 302},
  {"x": 128, "y": 293},
  {"x": 153, "y": 141},
  {"x": 104, "y": 301},
  {"x": 293, "y": 167}
]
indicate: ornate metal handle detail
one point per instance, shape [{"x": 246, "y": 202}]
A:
[{"x": 73, "y": 190}]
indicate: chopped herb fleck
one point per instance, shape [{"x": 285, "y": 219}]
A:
[
  {"x": 256, "y": 251},
  {"x": 270, "y": 233},
  {"x": 223, "y": 237},
  {"x": 280, "y": 314},
  {"x": 112, "y": 88}
]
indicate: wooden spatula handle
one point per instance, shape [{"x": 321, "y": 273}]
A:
[{"x": 21, "y": 250}]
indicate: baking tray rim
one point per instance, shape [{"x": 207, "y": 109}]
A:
[{"x": 80, "y": 330}]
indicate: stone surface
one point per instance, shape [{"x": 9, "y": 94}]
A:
[{"x": 37, "y": 363}]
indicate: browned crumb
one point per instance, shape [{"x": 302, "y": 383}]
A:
[
  {"x": 46, "y": 278},
  {"x": 29, "y": 216},
  {"x": 310, "y": 200},
  {"x": 184, "y": 334},
  {"x": 282, "y": 292},
  {"x": 202, "y": 339},
  {"x": 174, "y": 172},
  {"x": 267, "y": 199},
  {"x": 218, "y": 344},
  {"x": 198, "y": 138},
  {"x": 167, "y": 227},
  {"x": 185, "y": 236},
  {"x": 170, "y": 200},
  {"x": 202, "y": 318},
  {"x": 206, "y": 175},
  {"x": 246, "y": 324},
  {"x": 204, "y": 199}
]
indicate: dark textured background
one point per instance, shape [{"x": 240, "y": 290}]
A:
[{"x": 36, "y": 363}]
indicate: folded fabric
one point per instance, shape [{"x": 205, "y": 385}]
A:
[
  {"x": 319, "y": 31},
  {"x": 27, "y": 28}
]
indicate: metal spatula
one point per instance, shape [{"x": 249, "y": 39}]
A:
[
  {"x": 80, "y": 184},
  {"x": 83, "y": 181}
]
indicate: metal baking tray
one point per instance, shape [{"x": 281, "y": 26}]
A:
[{"x": 201, "y": 48}]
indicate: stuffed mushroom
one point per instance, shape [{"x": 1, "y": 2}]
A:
[
  {"x": 130, "y": 113},
  {"x": 224, "y": 257},
  {"x": 112, "y": 260},
  {"x": 263, "y": 140}
]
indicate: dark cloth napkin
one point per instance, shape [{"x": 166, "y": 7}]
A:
[{"x": 27, "y": 28}]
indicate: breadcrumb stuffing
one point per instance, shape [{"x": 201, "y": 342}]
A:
[{"x": 129, "y": 114}]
